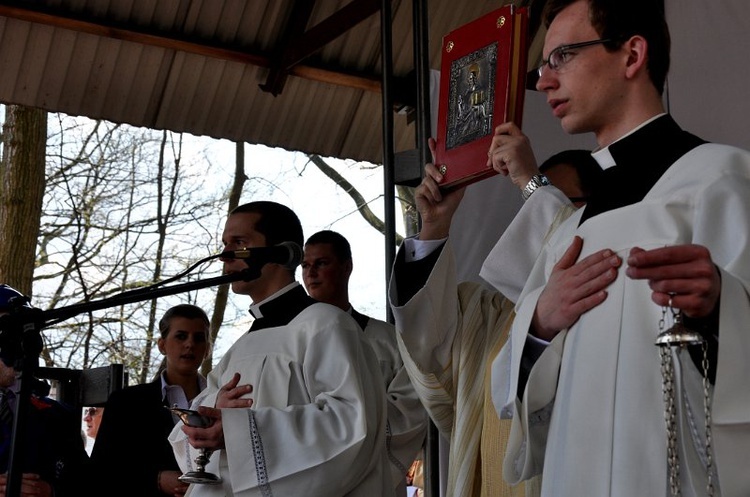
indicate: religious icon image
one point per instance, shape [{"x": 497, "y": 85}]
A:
[
  {"x": 200, "y": 475},
  {"x": 471, "y": 97}
]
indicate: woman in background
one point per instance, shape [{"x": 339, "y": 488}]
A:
[{"x": 132, "y": 455}]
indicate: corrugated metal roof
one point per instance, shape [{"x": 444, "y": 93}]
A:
[{"x": 196, "y": 66}]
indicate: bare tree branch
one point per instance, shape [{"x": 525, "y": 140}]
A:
[{"x": 359, "y": 201}]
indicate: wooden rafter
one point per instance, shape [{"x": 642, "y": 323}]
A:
[
  {"x": 297, "y": 24},
  {"x": 298, "y": 44}
]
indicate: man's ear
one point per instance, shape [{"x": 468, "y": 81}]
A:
[
  {"x": 349, "y": 267},
  {"x": 160, "y": 344},
  {"x": 636, "y": 49}
]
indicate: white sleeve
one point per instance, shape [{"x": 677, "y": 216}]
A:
[
  {"x": 416, "y": 249},
  {"x": 509, "y": 263},
  {"x": 407, "y": 425},
  {"x": 407, "y": 418},
  {"x": 427, "y": 322},
  {"x": 722, "y": 223}
]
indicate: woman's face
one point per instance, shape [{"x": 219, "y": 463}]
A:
[{"x": 185, "y": 345}]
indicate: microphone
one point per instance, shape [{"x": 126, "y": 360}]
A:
[{"x": 288, "y": 254}]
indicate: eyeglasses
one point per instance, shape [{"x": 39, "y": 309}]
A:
[
  {"x": 562, "y": 54},
  {"x": 91, "y": 411}
]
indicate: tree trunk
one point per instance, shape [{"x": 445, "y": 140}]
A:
[
  {"x": 405, "y": 195},
  {"x": 22, "y": 179}
]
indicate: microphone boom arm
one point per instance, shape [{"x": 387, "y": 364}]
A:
[{"x": 133, "y": 296}]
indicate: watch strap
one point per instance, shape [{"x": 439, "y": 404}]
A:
[{"x": 535, "y": 182}]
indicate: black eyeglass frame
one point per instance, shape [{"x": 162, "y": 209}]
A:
[
  {"x": 91, "y": 411},
  {"x": 565, "y": 48}
]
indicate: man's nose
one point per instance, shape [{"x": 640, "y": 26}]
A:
[
  {"x": 546, "y": 79},
  {"x": 227, "y": 253}
]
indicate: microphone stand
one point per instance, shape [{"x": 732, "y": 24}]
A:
[{"x": 23, "y": 331}]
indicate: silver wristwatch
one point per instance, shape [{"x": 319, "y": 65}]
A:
[{"x": 535, "y": 182}]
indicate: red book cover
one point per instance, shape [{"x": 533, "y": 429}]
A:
[{"x": 482, "y": 85}]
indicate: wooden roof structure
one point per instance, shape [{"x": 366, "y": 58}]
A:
[{"x": 298, "y": 74}]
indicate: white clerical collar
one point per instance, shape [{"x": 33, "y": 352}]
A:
[
  {"x": 174, "y": 394},
  {"x": 255, "y": 307},
  {"x": 603, "y": 155}
]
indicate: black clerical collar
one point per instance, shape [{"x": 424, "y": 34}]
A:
[
  {"x": 641, "y": 158},
  {"x": 360, "y": 318},
  {"x": 281, "y": 308}
]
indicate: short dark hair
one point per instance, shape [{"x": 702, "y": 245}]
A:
[
  {"x": 340, "y": 245},
  {"x": 618, "y": 20},
  {"x": 589, "y": 171},
  {"x": 187, "y": 311},
  {"x": 278, "y": 223}
]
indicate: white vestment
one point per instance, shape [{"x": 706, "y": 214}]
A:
[
  {"x": 469, "y": 322},
  {"x": 510, "y": 261},
  {"x": 449, "y": 333},
  {"x": 407, "y": 419},
  {"x": 318, "y": 421},
  {"x": 592, "y": 414}
]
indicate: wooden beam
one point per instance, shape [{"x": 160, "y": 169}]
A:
[
  {"x": 134, "y": 35},
  {"x": 331, "y": 28},
  {"x": 337, "y": 78},
  {"x": 298, "y": 47},
  {"x": 295, "y": 27}
]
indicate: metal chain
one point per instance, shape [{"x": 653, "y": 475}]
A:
[
  {"x": 709, "y": 435},
  {"x": 670, "y": 416},
  {"x": 665, "y": 342}
]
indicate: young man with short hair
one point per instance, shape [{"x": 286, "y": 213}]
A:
[
  {"x": 297, "y": 402},
  {"x": 326, "y": 268},
  {"x": 450, "y": 332},
  {"x": 666, "y": 231}
]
